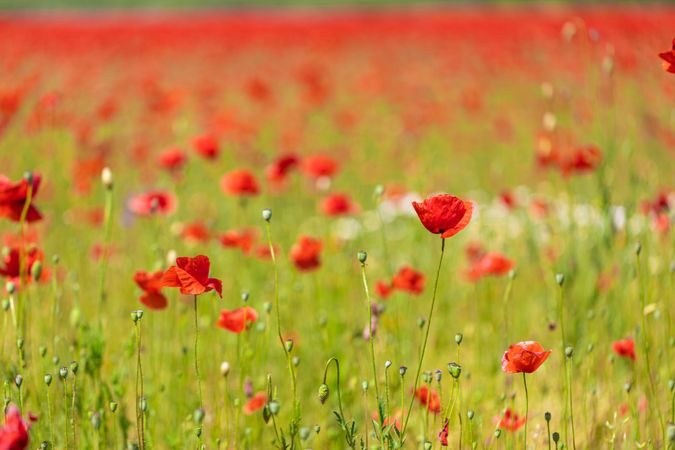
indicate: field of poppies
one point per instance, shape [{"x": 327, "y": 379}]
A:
[{"x": 327, "y": 229}]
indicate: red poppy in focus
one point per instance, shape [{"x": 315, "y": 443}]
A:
[
  {"x": 11, "y": 265},
  {"x": 13, "y": 197},
  {"x": 237, "y": 320},
  {"x": 511, "y": 421},
  {"x": 319, "y": 166},
  {"x": 444, "y": 214},
  {"x": 429, "y": 398},
  {"x": 443, "y": 435},
  {"x": 239, "y": 182},
  {"x": 524, "y": 357},
  {"x": 338, "y": 205},
  {"x": 14, "y": 434},
  {"x": 206, "y": 146},
  {"x": 151, "y": 283},
  {"x": 280, "y": 168},
  {"x": 668, "y": 58},
  {"x": 242, "y": 239},
  {"x": 491, "y": 263},
  {"x": 255, "y": 403},
  {"x": 172, "y": 159},
  {"x": 152, "y": 202},
  {"x": 409, "y": 280},
  {"x": 306, "y": 253},
  {"x": 383, "y": 289},
  {"x": 625, "y": 348},
  {"x": 191, "y": 275}
]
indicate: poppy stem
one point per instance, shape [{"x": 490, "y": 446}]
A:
[
  {"x": 51, "y": 419},
  {"x": 370, "y": 329},
  {"x": 426, "y": 338},
  {"x": 23, "y": 266},
  {"x": 527, "y": 407},
  {"x": 325, "y": 374},
  {"x": 561, "y": 316},
  {"x": 645, "y": 345},
  {"x": 139, "y": 388},
  {"x": 199, "y": 378},
  {"x": 107, "y": 222}
]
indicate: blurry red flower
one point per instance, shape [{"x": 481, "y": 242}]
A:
[
  {"x": 491, "y": 263},
  {"x": 443, "y": 435},
  {"x": 444, "y": 214},
  {"x": 668, "y": 58},
  {"x": 237, "y": 320},
  {"x": 429, "y": 398},
  {"x": 319, "y": 166},
  {"x": 306, "y": 253},
  {"x": 507, "y": 198},
  {"x": 625, "y": 348},
  {"x": 337, "y": 205},
  {"x": 511, "y": 421},
  {"x": 383, "y": 289},
  {"x": 409, "y": 280},
  {"x": 242, "y": 239},
  {"x": 582, "y": 159},
  {"x": 206, "y": 146},
  {"x": 258, "y": 90},
  {"x": 151, "y": 283},
  {"x": 11, "y": 264},
  {"x": 13, "y": 197},
  {"x": 172, "y": 159},
  {"x": 160, "y": 202},
  {"x": 14, "y": 434},
  {"x": 195, "y": 232},
  {"x": 239, "y": 182},
  {"x": 191, "y": 275},
  {"x": 279, "y": 169},
  {"x": 524, "y": 357},
  {"x": 255, "y": 403}
]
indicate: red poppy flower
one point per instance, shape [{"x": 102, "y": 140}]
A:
[
  {"x": 507, "y": 198},
  {"x": 206, "y": 146},
  {"x": 511, "y": 421},
  {"x": 491, "y": 263},
  {"x": 524, "y": 357},
  {"x": 237, "y": 320},
  {"x": 444, "y": 214},
  {"x": 443, "y": 435},
  {"x": 338, "y": 205},
  {"x": 409, "y": 280},
  {"x": 383, "y": 289},
  {"x": 281, "y": 167},
  {"x": 195, "y": 232},
  {"x": 668, "y": 58},
  {"x": 13, "y": 198},
  {"x": 152, "y": 202},
  {"x": 14, "y": 434},
  {"x": 11, "y": 265},
  {"x": 319, "y": 166},
  {"x": 306, "y": 253},
  {"x": 172, "y": 159},
  {"x": 262, "y": 251},
  {"x": 582, "y": 159},
  {"x": 625, "y": 348},
  {"x": 242, "y": 239},
  {"x": 151, "y": 283},
  {"x": 239, "y": 182},
  {"x": 255, "y": 403},
  {"x": 191, "y": 275},
  {"x": 429, "y": 398}
]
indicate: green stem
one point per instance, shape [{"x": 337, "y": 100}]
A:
[
  {"x": 139, "y": 389},
  {"x": 571, "y": 406},
  {"x": 561, "y": 314},
  {"x": 325, "y": 374},
  {"x": 370, "y": 330},
  {"x": 426, "y": 338},
  {"x": 199, "y": 377},
  {"x": 107, "y": 221},
  {"x": 527, "y": 408},
  {"x": 51, "y": 419}
]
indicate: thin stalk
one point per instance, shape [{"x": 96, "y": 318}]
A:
[
  {"x": 370, "y": 330},
  {"x": 51, "y": 419},
  {"x": 527, "y": 408},
  {"x": 107, "y": 221},
  {"x": 426, "y": 337},
  {"x": 571, "y": 406},
  {"x": 325, "y": 374},
  {"x": 65, "y": 413},
  {"x": 139, "y": 389},
  {"x": 561, "y": 315}
]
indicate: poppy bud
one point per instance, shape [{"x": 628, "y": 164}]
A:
[
  {"x": 266, "y": 414},
  {"x": 569, "y": 351},
  {"x": 95, "y": 421},
  {"x": 426, "y": 377},
  {"x": 304, "y": 433},
  {"x": 324, "y": 391},
  {"x": 560, "y": 279},
  {"x": 112, "y": 406},
  {"x": 267, "y": 307},
  {"x": 107, "y": 178},
  {"x": 289, "y": 345},
  {"x": 439, "y": 375},
  {"x": 296, "y": 361},
  {"x": 470, "y": 414},
  {"x": 73, "y": 367},
  {"x": 10, "y": 287},
  {"x": 36, "y": 270},
  {"x": 48, "y": 379},
  {"x": 628, "y": 386},
  {"x": 556, "y": 437},
  {"x": 427, "y": 445},
  {"x": 28, "y": 176},
  {"x": 244, "y": 296},
  {"x": 267, "y": 214},
  {"x": 136, "y": 315},
  {"x": 498, "y": 433},
  {"x": 198, "y": 415},
  {"x": 387, "y": 364},
  {"x": 547, "y": 416},
  {"x": 42, "y": 350},
  {"x": 402, "y": 370},
  {"x": 362, "y": 256},
  {"x": 224, "y": 368},
  {"x": 274, "y": 407},
  {"x": 421, "y": 321},
  {"x": 317, "y": 429},
  {"x": 5, "y": 304},
  {"x": 18, "y": 380},
  {"x": 55, "y": 360},
  {"x": 458, "y": 338},
  {"x": 638, "y": 249},
  {"x": 455, "y": 370},
  {"x": 19, "y": 343},
  {"x": 364, "y": 386},
  {"x": 63, "y": 373}
]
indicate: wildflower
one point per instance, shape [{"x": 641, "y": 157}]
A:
[
  {"x": 338, "y": 205},
  {"x": 172, "y": 159},
  {"x": 255, "y": 403},
  {"x": 511, "y": 421},
  {"x": 491, "y": 263},
  {"x": 524, "y": 357},
  {"x": 191, "y": 275},
  {"x": 206, "y": 146},
  {"x": 240, "y": 182},
  {"x": 625, "y": 348},
  {"x": 320, "y": 166},
  {"x": 444, "y": 214},
  {"x": 383, "y": 289},
  {"x": 13, "y": 198},
  {"x": 443, "y": 435},
  {"x": 429, "y": 398},
  {"x": 306, "y": 253},
  {"x": 14, "y": 434},
  {"x": 668, "y": 58},
  {"x": 152, "y": 202},
  {"x": 409, "y": 280},
  {"x": 237, "y": 320},
  {"x": 151, "y": 284}
]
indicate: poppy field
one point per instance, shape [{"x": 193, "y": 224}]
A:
[{"x": 405, "y": 228}]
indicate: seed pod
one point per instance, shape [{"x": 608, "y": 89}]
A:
[
  {"x": 556, "y": 437},
  {"x": 455, "y": 370},
  {"x": 470, "y": 414},
  {"x": 459, "y": 338},
  {"x": 362, "y": 256},
  {"x": 48, "y": 379},
  {"x": 289, "y": 345},
  {"x": 18, "y": 380},
  {"x": 63, "y": 373},
  {"x": 560, "y": 279},
  {"x": 274, "y": 407},
  {"x": 42, "y": 350},
  {"x": 112, "y": 406},
  {"x": 198, "y": 415},
  {"x": 402, "y": 370},
  {"x": 224, "y": 368},
  {"x": 267, "y": 214},
  {"x": 547, "y": 416},
  {"x": 324, "y": 391},
  {"x": 73, "y": 367}
]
